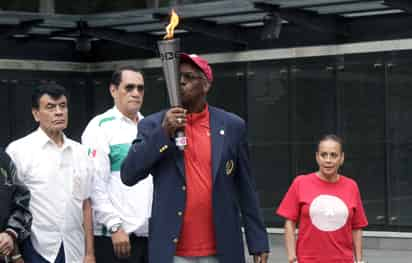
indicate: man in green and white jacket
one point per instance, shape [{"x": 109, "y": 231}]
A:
[{"x": 121, "y": 213}]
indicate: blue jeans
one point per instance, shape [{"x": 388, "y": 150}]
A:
[
  {"x": 195, "y": 260},
  {"x": 30, "y": 255}
]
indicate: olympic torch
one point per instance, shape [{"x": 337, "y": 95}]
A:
[{"x": 169, "y": 49}]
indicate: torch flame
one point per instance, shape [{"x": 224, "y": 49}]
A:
[{"x": 174, "y": 21}]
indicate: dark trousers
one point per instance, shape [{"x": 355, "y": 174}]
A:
[
  {"x": 104, "y": 252},
  {"x": 30, "y": 255}
]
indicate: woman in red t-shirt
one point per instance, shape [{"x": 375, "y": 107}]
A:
[{"x": 329, "y": 211}]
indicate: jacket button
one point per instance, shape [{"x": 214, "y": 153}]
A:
[
  {"x": 175, "y": 240},
  {"x": 179, "y": 213},
  {"x": 184, "y": 188}
]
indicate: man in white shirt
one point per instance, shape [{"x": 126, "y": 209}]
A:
[
  {"x": 58, "y": 173},
  {"x": 121, "y": 213}
]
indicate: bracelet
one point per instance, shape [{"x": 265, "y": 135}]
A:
[{"x": 16, "y": 257}]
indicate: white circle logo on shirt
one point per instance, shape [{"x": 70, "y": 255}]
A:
[{"x": 328, "y": 213}]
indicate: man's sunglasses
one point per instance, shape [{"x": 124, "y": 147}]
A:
[{"x": 131, "y": 87}]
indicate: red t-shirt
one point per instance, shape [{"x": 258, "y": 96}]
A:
[
  {"x": 197, "y": 236},
  {"x": 327, "y": 213}
]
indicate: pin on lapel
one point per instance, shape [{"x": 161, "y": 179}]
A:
[
  {"x": 229, "y": 167},
  {"x": 222, "y": 132}
]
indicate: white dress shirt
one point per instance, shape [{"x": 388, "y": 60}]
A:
[
  {"x": 109, "y": 137},
  {"x": 59, "y": 179}
]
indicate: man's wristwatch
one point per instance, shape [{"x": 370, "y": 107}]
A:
[{"x": 115, "y": 228}]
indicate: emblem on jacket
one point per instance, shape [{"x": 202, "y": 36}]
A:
[
  {"x": 3, "y": 172},
  {"x": 229, "y": 167},
  {"x": 4, "y": 177}
]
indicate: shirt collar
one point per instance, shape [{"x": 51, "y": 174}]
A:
[
  {"x": 120, "y": 115},
  {"x": 199, "y": 117},
  {"x": 43, "y": 139}
]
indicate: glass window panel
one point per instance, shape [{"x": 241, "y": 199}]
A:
[
  {"x": 268, "y": 125},
  {"x": 400, "y": 138},
  {"x": 102, "y": 100},
  {"x": 5, "y": 113},
  {"x": 315, "y": 109},
  {"x": 78, "y": 104},
  {"x": 20, "y": 101},
  {"x": 228, "y": 88},
  {"x": 155, "y": 96},
  {"x": 363, "y": 126}
]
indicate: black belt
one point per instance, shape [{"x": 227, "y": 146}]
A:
[{"x": 134, "y": 236}]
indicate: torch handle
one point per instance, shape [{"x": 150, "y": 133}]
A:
[{"x": 180, "y": 140}]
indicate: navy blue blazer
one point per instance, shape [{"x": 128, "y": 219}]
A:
[{"x": 233, "y": 193}]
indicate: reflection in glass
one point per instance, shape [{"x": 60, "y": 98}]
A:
[
  {"x": 363, "y": 127},
  {"x": 268, "y": 126},
  {"x": 400, "y": 140}
]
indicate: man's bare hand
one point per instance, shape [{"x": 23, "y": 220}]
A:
[
  {"x": 261, "y": 258},
  {"x": 174, "y": 119},
  {"x": 89, "y": 259},
  {"x": 6, "y": 244},
  {"x": 121, "y": 244}
]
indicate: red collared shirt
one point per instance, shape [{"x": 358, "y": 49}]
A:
[
  {"x": 327, "y": 214},
  {"x": 197, "y": 237}
]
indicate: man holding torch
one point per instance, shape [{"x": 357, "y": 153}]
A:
[{"x": 200, "y": 190}]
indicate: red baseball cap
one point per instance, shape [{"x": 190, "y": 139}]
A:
[{"x": 200, "y": 62}]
